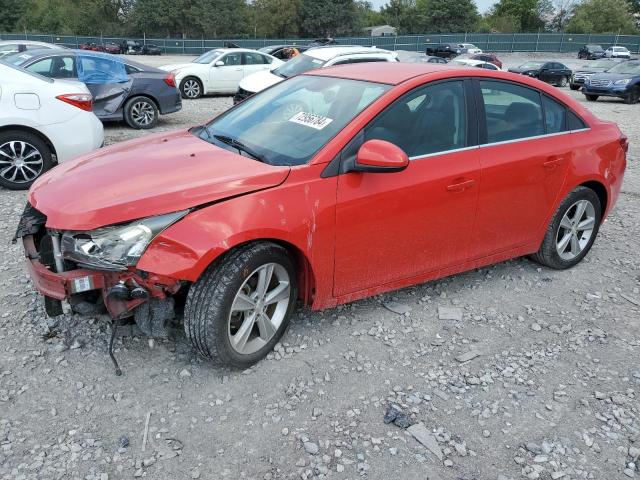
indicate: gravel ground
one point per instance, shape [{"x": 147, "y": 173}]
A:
[{"x": 507, "y": 372}]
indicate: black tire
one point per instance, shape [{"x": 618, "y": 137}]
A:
[
  {"x": 209, "y": 302},
  {"x": 562, "y": 82},
  {"x": 43, "y": 160},
  {"x": 141, "y": 113},
  {"x": 592, "y": 98},
  {"x": 632, "y": 97},
  {"x": 548, "y": 254},
  {"x": 574, "y": 87},
  {"x": 191, "y": 88}
]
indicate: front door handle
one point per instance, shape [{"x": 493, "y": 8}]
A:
[{"x": 460, "y": 186}]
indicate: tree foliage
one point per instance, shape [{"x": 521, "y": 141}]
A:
[
  {"x": 442, "y": 16},
  {"x": 602, "y": 16}
]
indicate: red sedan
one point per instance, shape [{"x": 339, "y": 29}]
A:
[{"x": 382, "y": 176}]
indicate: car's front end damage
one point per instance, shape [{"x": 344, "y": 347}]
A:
[{"x": 95, "y": 271}]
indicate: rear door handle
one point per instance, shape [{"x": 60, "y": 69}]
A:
[{"x": 461, "y": 186}]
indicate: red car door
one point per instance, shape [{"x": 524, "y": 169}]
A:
[
  {"x": 391, "y": 226},
  {"x": 524, "y": 162}
]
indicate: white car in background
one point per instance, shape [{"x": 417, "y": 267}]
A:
[
  {"x": 8, "y": 47},
  {"x": 42, "y": 122},
  {"x": 617, "y": 52},
  {"x": 219, "y": 70},
  {"x": 468, "y": 62},
  {"x": 319, "y": 57},
  {"x": 470, "y": 48}
]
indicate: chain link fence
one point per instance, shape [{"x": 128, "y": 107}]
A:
[{"x": 489, "y": 42}]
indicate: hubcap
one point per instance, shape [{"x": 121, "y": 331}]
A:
[
  {"x": 191, "y": 88},
  {"x": 143, "y": 113},
  {"x": 576, "y": 229},
  {"x": 259, "y": 308},
  {"x": 20, "y": 162}
]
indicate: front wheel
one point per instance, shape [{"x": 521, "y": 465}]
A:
[
  {"x": 574, "y": 87},
  {"x": 572, "y": 230},
  {"x": 632, "y": 97},
  {"x": 592, "y": 98},
  {"x": 240, "y": 307}
]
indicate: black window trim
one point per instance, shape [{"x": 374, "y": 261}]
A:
[
  {"x": 481, "y": 115},
  {"x": 341, "y": 162}
]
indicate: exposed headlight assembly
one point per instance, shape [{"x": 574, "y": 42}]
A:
[
  {"x": 116, "y": 247},
  {"x": 624, "y": 81}
]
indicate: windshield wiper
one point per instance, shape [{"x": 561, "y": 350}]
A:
[{"x": 241, "y": 147}]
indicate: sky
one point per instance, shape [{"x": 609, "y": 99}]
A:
[{"x": 483, "y": 5}]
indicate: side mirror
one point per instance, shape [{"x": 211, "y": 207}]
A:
[
  {"x": 379, "y": 156},
  {"x": 219, "y": 63}
]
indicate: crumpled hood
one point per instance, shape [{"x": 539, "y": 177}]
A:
[
  {"x": 153, "y": 175},
  {"x": 256, "y": 82},
  {"x": 174, "y": 66}
]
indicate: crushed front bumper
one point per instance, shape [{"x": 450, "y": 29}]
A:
[{"x": 121, "y": 292}]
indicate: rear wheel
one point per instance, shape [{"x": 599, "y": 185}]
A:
[
  {"x": 23, "y": 158},
  {"x": 592, "y": 98},
  {"x": 240, "y": 307},
  {"x": 191, "y": 88},
  {"x": 562, "y": 82},
  {"x": 572, "y": 230},
  {"x": 574, "y": 87},
  {"x": 141, "y": 113}
]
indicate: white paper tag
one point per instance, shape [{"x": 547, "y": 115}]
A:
[
  {"x": 311, "y": 120},
  {"x": 81, "y": 284}
]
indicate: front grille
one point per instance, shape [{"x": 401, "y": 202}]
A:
[
  {"x": 581, "y": 76},
  {"x": 600, "y": 83}
]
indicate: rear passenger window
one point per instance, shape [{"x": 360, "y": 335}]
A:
[
  {"x": 427, "y": 120},
  {"x": 574, "y": 122},
  {"x": 554, "y": 115},
  {"x": 511, "y": 111}
]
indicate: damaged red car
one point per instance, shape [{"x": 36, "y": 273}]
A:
[{"x": 329, "y": 187}]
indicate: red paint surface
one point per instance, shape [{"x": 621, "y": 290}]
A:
[{"x": 352, "y": 235}]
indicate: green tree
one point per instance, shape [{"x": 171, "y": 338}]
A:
[
  {"x": 367, "y": 16},
  {"x": 602, "y": 16},
  {"x": 328, "y": 17},
  {"x": 276, "y": 18},
  {"x": 505, "y": 23},
  {"x": 527, "y": 12},
  {"x": 402, "y": 15},
  {"x": 444, "y": 16},
  {"x": 215, "y": 18},
  {"x": 11, "y": 11}
]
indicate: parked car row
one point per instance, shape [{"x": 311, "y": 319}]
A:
[
  {"x": 451, "y": 50},
  {"x": 594, "y": 52}
]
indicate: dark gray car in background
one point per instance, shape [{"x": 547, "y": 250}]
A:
[{"x": 121, "y": 89}]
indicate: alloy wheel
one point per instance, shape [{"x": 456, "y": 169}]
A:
[
  {"x": 259, "y": 308},
  {"x": 191, "y": 88},
  {"x": 20, "y": 162},
  {"x": 143, "y": 113},
  {"x": 576, "y": 229}
]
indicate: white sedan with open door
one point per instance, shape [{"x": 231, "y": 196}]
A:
[{"x": 219, "y": 70}]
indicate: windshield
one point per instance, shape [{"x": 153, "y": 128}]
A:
[
  {"x": 594, "y": 48},
  {"x": 17, "y": 58},
  {"x": 603, "y": 63},
  {"x": 268, "y": 49},
  {"x": 298, "y": 64},
  {"x": 208, "y": 57},
  {"x": 532, "y": 65},
  {"x": 626, "y": 68},
  {"x": 288, "y": 123}
]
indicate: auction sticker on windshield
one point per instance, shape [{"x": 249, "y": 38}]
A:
[{"x": 311, "y": 120}]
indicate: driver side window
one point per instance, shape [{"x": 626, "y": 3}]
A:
[
  {"x": 231, "y": 59},
  {"x": 428, "y": 120}
]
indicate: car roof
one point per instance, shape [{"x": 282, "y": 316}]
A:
[
  {"x": 30, "y": 42},
  {"x": 46, "y": 53},
  {"x": 392, "y": 73},
  {"x": 333, "y": 51}
]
